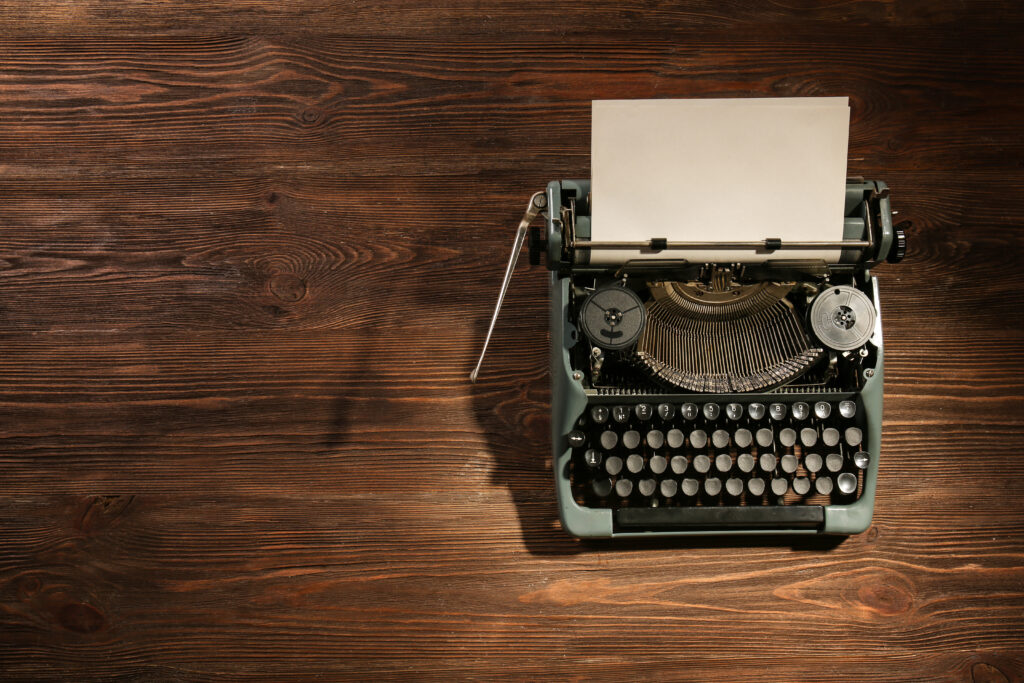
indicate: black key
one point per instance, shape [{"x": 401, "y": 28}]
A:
[
  {"x": 613, "y": 465},
  {"x": 599, "y": 414},
  {"x": 862, "y": 459},
  {"x": 689, "y": 487},
  {"x": 658, "y": 464},
  {"x": 800, "y": 411},
  {"x": 764, "y": 437},
  {"x": 712, "y": 486},
  {"x": 743, "y": 438},
  {"x": 602, "y": 487},
  {"x": 631, "y": 439},
  {"x": 847, "y": 483},
  {"x": 712, "y": 411},
  {"x": 723, "y": 463},
  {"x": 822, "y": 409},
  {"x": 734, "y": 486},
  {"x": 577, "y": 438},
  {"x": 635, "y": 463},
  {"x": 644, "y": 411},
  {"x": 655, "y": 439},
  {"x": 647, "y": 487},
  {"x": 701, "y": 463},
  {"x": 808, "y": 437},
  {"x": 593, "y": 457},
  {"x": 675, "y": 438},
  {"x": 787, "y": 437},
  {"x": 812, "y": 462},
  {"x": 755, "y": 486},
  {"x": 777, "y": 411},
  {"x": 620, "y": 414},
  {"x": 756, "y": 411},
  {"x": 779, "y": 486},
  {"x": 623, "y": 487},
  {"x": 666, "y": 411},
  {"x": 733, "y": 411},
  {"x": 833, "y": 462},
  {"x": 854, "y": 436},
  {"x": 690, "y": 411},
  {"x": 801, "y": 486},
  {"x": 698, "y": 439},
  {"x": 669, "y": 487},
  {"x": 720, "y": 438},
  {"x": 609, "y": 439},
  {"x": 745, "y": 461},
  {"x": 678, "y": 464},
  {"x": 823, "y": 485},
  {"x": 830, "y": 436},
  {"x": 847, "y": 409},
  {"x": 789, "y": 463},
  {"x": 767, "y": 462}
]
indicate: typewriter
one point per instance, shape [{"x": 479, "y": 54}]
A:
[{"x": 705, "y": 398}]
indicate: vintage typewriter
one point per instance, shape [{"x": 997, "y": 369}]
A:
[{"x": 699, "y": 398}]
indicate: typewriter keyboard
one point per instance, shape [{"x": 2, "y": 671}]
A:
[{"x": 784, "y": 452}]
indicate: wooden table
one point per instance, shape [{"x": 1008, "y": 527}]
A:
[{"x": 248, "y": 252}]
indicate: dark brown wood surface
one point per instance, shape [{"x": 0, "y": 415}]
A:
[{"x": 248, "y": 252}]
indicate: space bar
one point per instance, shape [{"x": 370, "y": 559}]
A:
[{"x": 764, "y": 517}]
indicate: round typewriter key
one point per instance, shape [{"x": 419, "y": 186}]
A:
[
  {"x": 720, "y": 438},
  {"x": 712, "y": 486},
  {"x": 862, "y": 459},
  {"x": 789, "y": 463},
  {"x": 787, "y": 437},
  {"x": 734, "y": 486},
  {"x": 577, "y": 438},
  {"x": 779, "y": 486},
  {"x": 854, "y": 436},
  {"x": 767, "y": 462},
  {"x": 755, "y": 487},
  {"x": 635, "y": 463},
  {"x": 812, "y": 462},
  {"x": 830, "y": 436},
  {"x": 733, "y": 411},
  {"x": 847, "y": 409},
  {"x": 764, "y": 437},
  {"x": 690, "y": 411},
  {"x": 701, "y": 463},
  {"x": 808, "y": 437},
  {"x": 777, "y": 411},
  {"x": 689, "y": 487},
  {"x": 711, "y": 411},
  {"x": 623, "y": 487},
  {"x": 666, "y": 411},
  {"x": 675, "y": 438},
  {"x": 756, "y": 411},
  {"x": 822, "y": 409},
  {"x": 678, "y": 463},
  {"x": 631, "y": 439},
  {"x": 593, "y": 458},
  {"x": 698, "y": 439},
  {"x": 743, "y": 438},
  {"x": 823, "y": 485},
  {"x": 800, "y": 410},
  {"x": 833, "y": 462},
  {"x": 745, "y": 461},
  {"x": 723, "y": 462},
  {"x": 669, "y": 488},
  {"x": 644, "y": 411},
  {"x": 602, "y": 487},
  {"x": 609, "y": 439},
  {"x": 847, "y": 482},
  {"x": 655, "y": 439},
  {"x": 647, "y": 487},
  {"x": 801, "y": 486},
  {"x": 599, "y": 414},
  {"x": 613, "y": 465},
  {"x": 658, "y": 463},
  {"x": 620, "y": 414}
]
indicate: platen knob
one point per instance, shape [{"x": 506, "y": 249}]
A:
[{"x": 899, "y": 242}]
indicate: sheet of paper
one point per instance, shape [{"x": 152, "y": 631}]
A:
[{"x": 718, "y": 170}]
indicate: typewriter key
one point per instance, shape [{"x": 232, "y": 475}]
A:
[
  {"x": 847, "y": 482},
  {"x": 833, "y": 462},
  {"x": 655, "y": 439},
  {"x": 631, "y": 439},
  {"x": 698, "y": 439},
  {"x": 812, "y": 462},
  {"x": 712, "y": 486},
  {"x": 620, "y": 414},
  {"x": 822, "y": 410},
  {"x": 720, "y": 438},
  {"x": 647, "y": 487},
  {"x": 602, "y": 487},
  {"x": 801, "y": 486},
  {"x": 767, "y": 462},
  {"x": 787, "y": 437},
  {"x": 789, "y": 463},
  {"x": 745, "y": 461},
  {"x": 854, "y": 436},
  {"x": 847, "y": 409},
  {"x": 800, "y": 410},
  {"x": 644, "y": 411},
  {"x": 678, "y": 464},
  {"x": 777, "y": 411},
  {"x": 756, "y": 411},
  {"x": 599, "y": 414},
  {"x": 675, "y": 438},
  {"x": 701, "y": 463},
  {"x": 658, "y": 464},
  {"x": 689, "y": 487},
  {"x": 830, "y": 436},
  {"x": 723, "y": 462},
  {"x": 742, "y": 438},
  {"x": 712, "y": 411},
  {"x": 669, "y": 488},
  {"x": 666, "y": 411},
  {"x": 808, "y": 437},
  {"x": 734, "y": 486},
  {"x": 733, "y": 411},
  {"x": 623, "y": 487},
  {"x": 609, "y": 439},
  {"x": 577, "y": 438},
  {"x": 862, "y": 459},
  {"x": 635, "y": 463},
  {"x": 755, "y": 486},
  {"x": 823, "y": 485},
  {"x": 613, "y": 465},
  {"x": 593, "y": 458},
  {"x": 764, "y": 438},
  {"x": 779, "y": 486},
  {"x": 690, "y": 411}
]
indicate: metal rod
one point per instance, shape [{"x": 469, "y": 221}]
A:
[{"x": 762, "y": 244}]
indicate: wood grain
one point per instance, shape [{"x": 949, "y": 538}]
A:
[{"x": 248, "y": 252}]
